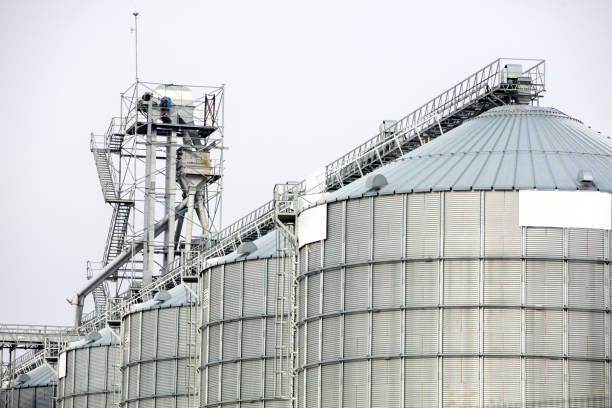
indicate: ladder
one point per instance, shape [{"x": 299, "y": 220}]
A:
[{"x": 285, "y": 212}]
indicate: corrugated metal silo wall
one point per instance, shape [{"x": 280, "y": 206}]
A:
[
  {"x": 159, "y": 357},
  {"x": 238, "y": 331},
  {"x": 31, "y": 397},
  {"x": 441, "y": 299},
  {"x": 92, "y": 378}
]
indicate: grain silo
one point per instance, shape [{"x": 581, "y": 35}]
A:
[
  {"x": 36, "y": 389},
  {"x": 241, "y": 329},
  {"x": 88, "y": 372},
  {"x": 159, "y": 351},
  {"x": 472, "y": 272}
]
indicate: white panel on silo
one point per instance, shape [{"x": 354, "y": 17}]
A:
[
  {"x": 386, "y": 387},
  {"x": 421, "y": 382},
  {"x": 421, "y": 332},
  {"x": 460, "y": 382},
  {"x": 312, "y": 225}
]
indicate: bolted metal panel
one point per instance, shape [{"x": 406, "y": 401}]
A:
[
  {"x": 544, "y": 332},
  {"x": 387, "y": 285},
  {"x": 460, "y": 382},
  {"x": 544, "y": 283},
  {"x": 502, "y": 331},
  {"x": 80, "y": 373},
  {"x": 587, "y": 384},
  {"x": 586, "y": 285},
  {"x": 69, "y": 378},
  {"x": 250, "y": 380},
  {"x": 332, "y": 330},
  {"x": 386, "y": 389},
  {"x": 312, "y": 342},
  {"x": 355, "y": 335},
  {"x": 312, "y": 387},
  {"x": 314, "y": 290},
  {"x": 421, "y": 382},
  {"x": 330, "y": 385},
  {"x": 386, "y": 327},
  {"x": 301, "y": 397},
  {"x": 421, "y": 332},
  {"x": 252, "y": 338},
  {"x": 502, "y": 382},
  {"x": 216, "y": 282},
  {"x": 587, "y": 334},
  {"x": 167, "y": 339},
  {"x": 387, "y": 230},
  {"x": 165, "y": 370},
  {"x": 213, "y": 383},
  {"x": 545, "y": 242},
  {"x": 314, "y": 256},
  {"x": 231, "y": 339},
  {"x": 422, "y": 288},
  {"x": 356, "y": 288},
  {"x": 460, "y": 334},
  {"x": 355, "y": 388},
  {"x": 149, "y": 330},
  {"x": 544, "y": 382},
  {"x": 332, "y": 291},
  {"x": 97, "y": 369},
  {"x": 358, "y": 234},
  {"x": 462, "y": 224},
  {"x": 271, "y": 287},
  {"x": 461, "y": 282},
  {"x": 301, "y": 299},
  {"x": 301, "y": 339},
  {"x": 134, "y": 343},
  {"x": 502, "y": 233},
  {"x": 303, "y": 264},
  {"x": 586, "y": 243},
  {"x": 229, "y": 382},
  {"x": 333, "y": 243},
  {"x": 423, "y": 225},
  {"x": 254, "y": 290},
  {"x": 214, "y": 343},
  {"x": 502, "y": 282},
  {"x": 132, "y": 375},
  {"x": 147, "y": 379},
  {"x": 232, "y": 290}
]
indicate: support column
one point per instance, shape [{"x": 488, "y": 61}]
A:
[
  {"x": 170, "y": 197},
  {"x": 189, "y": 219},
  {"x": 149, "y": 202}
]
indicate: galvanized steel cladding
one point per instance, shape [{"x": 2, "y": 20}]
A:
[
  {"x": 92, "y": 378},
  {"x": 37, "y": 391},
  {"x": 442, "y": 299},
  {"x": 159, "y": 356},
  {"x": 238, "y": 313}
]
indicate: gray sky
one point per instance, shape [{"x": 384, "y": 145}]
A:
[{"x": 306, "y": 81}]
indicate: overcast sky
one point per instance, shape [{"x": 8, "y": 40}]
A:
[{"x": 306, "y": 81}]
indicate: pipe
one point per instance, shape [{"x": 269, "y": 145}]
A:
[{"x": 77, "y": 300}]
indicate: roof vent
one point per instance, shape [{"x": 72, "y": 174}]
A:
[
  {"x": 161, "y": 296},
  {"x": 585, "y": 178},
  {"x": 247, "y": 248},
  {"x": 93, "y": 336},
  {"x": 376, "y": 182},
  {"x": 21, "y": 378}
]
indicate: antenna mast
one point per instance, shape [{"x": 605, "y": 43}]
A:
[{"x": 135, "y": 14}]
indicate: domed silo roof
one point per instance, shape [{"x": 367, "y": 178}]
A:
[
  {"x": 262, "y": 247},
  {"x": 507, "y": 148},
  {"x": 38, "y": 377},
  {"x": 104, "y": 337},
  {"x": 177, "y": 296}
]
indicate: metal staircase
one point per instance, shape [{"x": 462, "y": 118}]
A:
[{"x": 105, "y": 174}]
